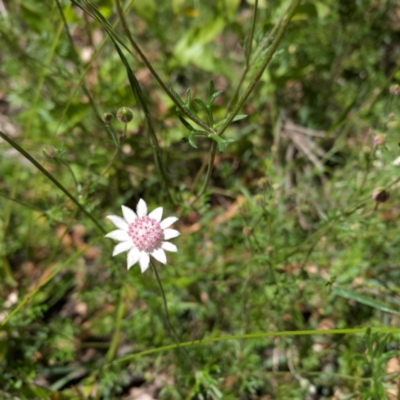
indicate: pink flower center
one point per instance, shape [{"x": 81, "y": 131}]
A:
[{"x": 145, "y": 233}]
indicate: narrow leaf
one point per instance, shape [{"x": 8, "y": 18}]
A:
[
  {"x": 206, "y": 109},
  {"x": 185, "y": 123},
  {"x": 191, "y": 139},
  {"x": 350, "y": 294},
  {"x": 177, "y": 97},
  {"x": 188, "y": 98},
  {"x": 239, "y": 117},
  {"x": 219, "y": 140},
  {"x": 219, "y": 123},
  {"x": 214, "y": 96},
  {"x": 211, "y": 89}
]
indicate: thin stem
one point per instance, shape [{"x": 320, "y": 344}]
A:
[
  {"x": 175, "y": 335},
  {"x": 249, "y": 63},
  {"x": 209, "y": 170},
  {"x": 198, "y": 175},
  {"x": 160, "y": 286},
  {"x": 281, "y": 32},
  {"x": 51, "y": 177},
  {"x": 184, "y": 111},
  {"x": 118, "y": 318},
  {"x": 250, "y": 40},
  {"x": 42, "y": 76},
  {"x": 349, "y": 331},
  {"x": 72, "y": 174},
  {"x": 271, "y": 51},
  {"x": 21, "y": 203},
  {"x": 87, "y": 69},
  {"x": 43, "y": 281},
  {"x": 77, "y": 61}
]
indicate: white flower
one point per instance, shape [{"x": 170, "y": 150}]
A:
[{"x": 143, "y": 235}]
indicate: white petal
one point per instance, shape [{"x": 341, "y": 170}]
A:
[
  {"x": 118, "y": 222},
  {"x": 133, "y": 256},
  {"x": 144, "y": 261},
  {"x": 156, "y": 214},
  {"x": 129, "y": 214},
  {"x": 169, "y": 247},
  {"x": 159, "y": 255},
  {"x": 168, "y": 222},
  {"x": 141, "y": 208},
  {"x": 121, "y": 247},
  {"x": 119, "y": 234},
  {"x": 170, "y": 233}
]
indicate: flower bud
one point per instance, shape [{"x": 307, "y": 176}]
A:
[
  {"x": 49, "y": 152},
  {"x": 107, "y": 117},
  {"x": 259, "y": 199},
  {"x": 264, "y": 183},
  {"x": 395, "y": 89},
  {"x": 247, "y": 231},
  {"x": 379, "y": 139},
  {"x": 242, "y": 209},
  {"x": 380, "y": 195},
  {"x": 125, "y": 114}
]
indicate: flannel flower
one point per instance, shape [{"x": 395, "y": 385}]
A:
[{"x": 143, "y": 235}]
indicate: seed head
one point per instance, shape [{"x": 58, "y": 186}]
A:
[
  {"x": 125, "y": 114},
  {"x": 395, "y": 89},
  {"x": 259, "y": 199},
  {"x": 242, "y": 209},
  {"x": 49, "y": 152},
  {"x": 264, "y": 183},
  {"x": 107, "y": 117},
  {"x": 380, "y": 195}
]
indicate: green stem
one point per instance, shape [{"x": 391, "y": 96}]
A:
[
  {"x": 42, "y": 76},
  {"x": 160, "y": 286},
  {"x": 44, "y": 282},
  {"x": 174, "y": 334},
  {"x": 281, "y": 32},
  {"x": 253, "y": 25},
  {"x": 209, "y": 170},
  {"x": 184, "y": 111},
  {"x": 350, "y": 331},
  {"x": 115, "y": 339},
  {"x": 271, "y": 51},
  {"x": 50, "y": 176},
  {"x": 77, "y": 61},
  {"x": 249, "y": 63},
  {"x": 81, "y": 80},
  {"x": 71, "y": 172}
]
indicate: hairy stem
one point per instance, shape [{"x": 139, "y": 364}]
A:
[
  {"x": 184, "y": 111},
  {"x": 271, "y": 51},
  {"x": 52, "y": 178}
]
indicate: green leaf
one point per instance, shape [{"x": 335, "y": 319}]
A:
[
  {"x": 191, "y": 139},
  {"x": 219, "y": 123},
  {"x": 350, "y": 294},
  {"x": 214, "y": 96},
  {"x": 221, "y": 142},
  {"x": 192, "y": 135},
  {"x": 211, "y": 89},
  {"x": 185, "y": 123},
  {"x": 236, "y": 118},
  {"x": 188, "y": 98},
  {"x": 206, "y": 109},
  {"x": 177, "y": 97},
  {"x": 239, "y": 117}
]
